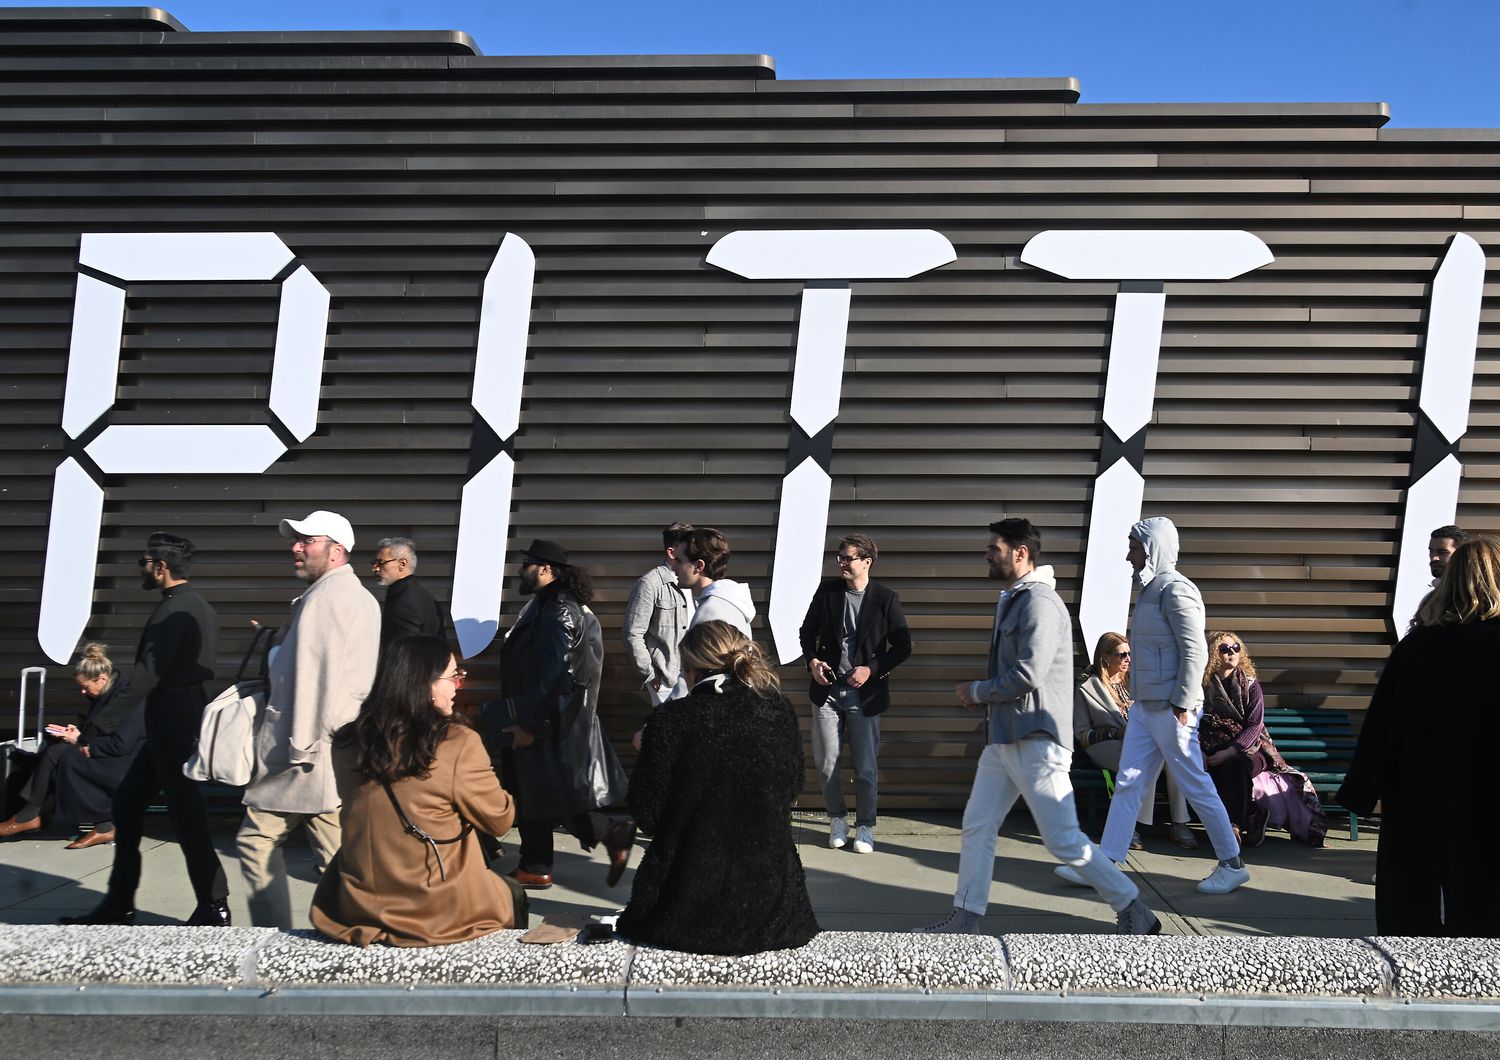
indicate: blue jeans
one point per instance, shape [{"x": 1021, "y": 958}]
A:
[{"x": 836, "y": 721}]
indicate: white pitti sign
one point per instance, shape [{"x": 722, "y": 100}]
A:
[{"x": 827, "y": 261}]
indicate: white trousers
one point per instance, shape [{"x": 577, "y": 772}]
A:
[
  {"x": 1153, "y": 737},
  {"x": 1035, "y": 769}
]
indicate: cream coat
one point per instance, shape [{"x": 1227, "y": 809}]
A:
[{"x": 323, "y": 669}]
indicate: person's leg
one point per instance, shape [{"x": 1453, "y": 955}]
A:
[
  {"x": 1179, "y": 745},
  {"x": 1140, "y": 760},
  {"x": 1176, "y": 801},
  {"x": 1231, "y": 779},
  {"x": 263, "y": 865},
  {"x": 827, "y": 740},
  {"x": 990, "y": 800},
  {"x": 188, "y": 810},
  {"x": 35, "y": 792},
  {"x": 1041, "y": 773},
  {"x": 536, "y": 844},
  {"x": 132, "y": 799},
  {"x": 324, "y": 835},
  {"x": 864, "y": 749}
]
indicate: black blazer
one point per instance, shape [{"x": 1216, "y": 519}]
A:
[
  {"x": 410, "y": 610},
  {"x": 881, "y": 640}
]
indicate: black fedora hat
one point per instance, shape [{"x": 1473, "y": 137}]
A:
[{"x": 548, "y": 552}]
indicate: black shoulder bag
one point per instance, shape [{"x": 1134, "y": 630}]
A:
[{"x": 412, "y": 829}]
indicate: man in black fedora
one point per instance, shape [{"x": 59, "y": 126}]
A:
[{"x": 553, "y": 759}]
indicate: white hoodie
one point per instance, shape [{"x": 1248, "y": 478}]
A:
[{"x": 725, "y": 601}]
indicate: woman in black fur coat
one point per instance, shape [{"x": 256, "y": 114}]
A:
[{"x": 714, "y": 787}]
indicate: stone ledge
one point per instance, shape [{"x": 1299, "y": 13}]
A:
[{"x": 834, "y": 962}]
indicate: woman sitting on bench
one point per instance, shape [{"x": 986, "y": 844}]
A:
[{"x": 1258, "y": 789}]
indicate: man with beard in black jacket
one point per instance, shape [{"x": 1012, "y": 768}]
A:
[
  {"x": 553, "y": 758},
  {"x": 173, "y": 663}
]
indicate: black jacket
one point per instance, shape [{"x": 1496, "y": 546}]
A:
[
  {"x": 174, "y": 660},
  {"x": 714, "y": 787},
  {"x": 549, "y": 673},
  {"x": 882, "y": 641},
  {"x": 409, "y": 611},
  {"x": 1424, "y": 756}
]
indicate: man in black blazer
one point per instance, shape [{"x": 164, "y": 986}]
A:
[
  {"x": 409, "y": 609},
  {"x": 854, "y": 635}
]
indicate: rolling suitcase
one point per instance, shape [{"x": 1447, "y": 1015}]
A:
[{"x": 18, "y": 757}]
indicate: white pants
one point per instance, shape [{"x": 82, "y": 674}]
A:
[
  {"x": 1154, "y": 737},
  {"x": 1036, "y": 769}
]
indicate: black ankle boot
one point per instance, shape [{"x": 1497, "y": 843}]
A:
[
  {"x": 210, "y": 914},
  {"x": 106, "y": 912}
]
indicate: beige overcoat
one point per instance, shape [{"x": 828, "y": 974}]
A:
[
  {"x": 384, "y": 885},
  {"x": 322, "y": 670}
]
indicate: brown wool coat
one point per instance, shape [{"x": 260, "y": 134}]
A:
[{"x": 384, "y": 884}]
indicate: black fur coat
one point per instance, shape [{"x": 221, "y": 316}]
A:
[{"x": 713, "y": 787}]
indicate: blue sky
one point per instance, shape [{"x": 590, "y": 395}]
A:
[{"x": 1433, "y": 61}]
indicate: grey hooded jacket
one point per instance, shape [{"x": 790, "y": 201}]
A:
[
  {"x": 1167, "y": 626},
  {"x": 1029, "y": 691}
]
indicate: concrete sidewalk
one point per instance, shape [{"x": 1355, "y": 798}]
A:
[{"x": 907, "y": 882}]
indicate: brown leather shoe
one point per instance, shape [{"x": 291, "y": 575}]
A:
[
  {"x": 618, "y": 840},
  {"x": 93, "y": 839},
  {"x": 15, "y": 827},
  {"x": 532, "y": 881}
]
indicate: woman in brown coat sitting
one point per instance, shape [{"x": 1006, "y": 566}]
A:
[{"x": 415, "y": 783}]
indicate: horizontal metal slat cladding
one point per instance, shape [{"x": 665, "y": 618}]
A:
[{"x": 392, "y": 164}]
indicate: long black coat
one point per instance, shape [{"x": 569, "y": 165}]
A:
[
  {"x": 1424, "y": 754},
  {"x": 713, "y": 787},
  {"x": 409, "y": 610},
  {"x": 86, "y": 785},
  {"x": 549, "y": 674}
]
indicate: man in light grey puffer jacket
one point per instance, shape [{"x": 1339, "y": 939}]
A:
[
  {"x": 1028, "y": 700},
  {"x": 1166, "y": 677}
]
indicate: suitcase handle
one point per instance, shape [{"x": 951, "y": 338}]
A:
[{"x": 41, "y": 702}]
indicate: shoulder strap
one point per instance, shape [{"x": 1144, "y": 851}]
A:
[{"x": 412, "y": 829}]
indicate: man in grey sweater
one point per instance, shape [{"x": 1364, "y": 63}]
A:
[
  {"x": 656, "y": 618},
  {"x": 1028, "y": 699}
]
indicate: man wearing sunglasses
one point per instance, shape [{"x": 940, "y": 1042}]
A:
[
  {"x": 173, "y": 663},
  {"x": 1171, "y": 655},
  {"x": 321, "y": 670}
]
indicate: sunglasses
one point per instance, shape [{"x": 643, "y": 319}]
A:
[
  {"x": 1229, "y": 649},
  {"x": 1120, "y": 654}
]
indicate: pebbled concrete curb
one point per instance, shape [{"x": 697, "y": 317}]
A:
[{"x": 1166, "y": 979}]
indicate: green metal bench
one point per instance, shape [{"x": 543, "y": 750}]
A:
[{"x": 1321, "y": 744}]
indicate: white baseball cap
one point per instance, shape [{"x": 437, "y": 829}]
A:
[{"x": 331, "y": 525}]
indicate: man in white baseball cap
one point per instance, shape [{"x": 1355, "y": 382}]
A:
[{"x": 321, "y": 672}]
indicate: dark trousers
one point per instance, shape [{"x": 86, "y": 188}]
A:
[
  {"x": 171, "y": 732},
  {"x": 536, "y": 837},
  {"x": 43, "y": 782},
  {"x": 1232, "y": 781}
]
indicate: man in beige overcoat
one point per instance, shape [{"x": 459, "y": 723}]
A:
[{"x": 321, "y": 670}]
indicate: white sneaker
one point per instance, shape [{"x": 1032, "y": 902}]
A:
[
  {"x": 1068, "y": 874},
  {"x": 1224, "y": 879},
  {"x": 1137, "y": 919},
  {"x": 864, "y": 840},
  {"x": 838, "y": 833},
  {"x": 958, "y": 922}
]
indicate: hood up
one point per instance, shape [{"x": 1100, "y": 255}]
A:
[{"x": 1159, "y": 537}]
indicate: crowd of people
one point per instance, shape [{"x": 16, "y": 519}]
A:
[{"x": 403, "y": 802}]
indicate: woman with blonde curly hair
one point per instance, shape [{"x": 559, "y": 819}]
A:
[
  {"x": 1257, "y": 787},
  {"x": 1424, "y": 755},
  {"x": 714, "y": 787}
]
